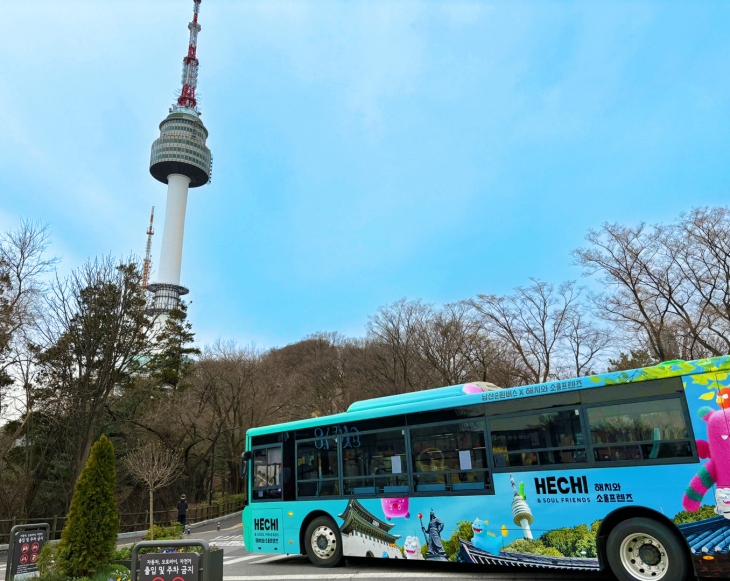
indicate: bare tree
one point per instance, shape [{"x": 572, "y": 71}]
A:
[
  {"x": 397, "y": 365},
  {"x": 535, "y": 321},
  {"x": 585, "y": 344},
  {"x": 441, "y": 337},
  {"x": 667, "y": 287},
  {"x": 701, "y": 243},
  {"x": 157, "y": 467},
  {"x": 22, "y": 268}
]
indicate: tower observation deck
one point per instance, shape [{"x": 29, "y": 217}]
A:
[{"x": 181, "y": 159}]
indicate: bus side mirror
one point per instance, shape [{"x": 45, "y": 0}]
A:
[{"x": 245, "y": 457}]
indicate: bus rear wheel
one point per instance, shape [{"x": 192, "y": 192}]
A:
[
  {"x": 642, "y": 549},
  {"x": 323, "y": 542}
]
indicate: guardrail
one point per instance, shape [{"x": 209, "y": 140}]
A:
[{"x": 128, "y": 522}]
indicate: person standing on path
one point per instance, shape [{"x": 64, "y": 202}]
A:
[{"x": 182, "y": 510}]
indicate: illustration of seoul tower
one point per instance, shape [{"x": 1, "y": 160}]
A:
[
  {"x": 521, "y": 513},
  {"x": 181, "y": 160}
]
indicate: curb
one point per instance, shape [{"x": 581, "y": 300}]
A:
[
  {"x": 197, "y": 525},
  {"x": 131, "y": 535},
  {"x": 193, "y": 526}
]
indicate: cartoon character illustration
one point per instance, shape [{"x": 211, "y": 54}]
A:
[
  {"x": 395, "y": 507},
  {"x": 412, "y": 548},
  {"x": 722, "y": 498},
  {"x": 485, "y": 540},
  {"x": 477, "y": 387},
  {"x": 470, "y": 388},
  {"x": 717, "y": 449},
  {"x": 385, "y": 555}
]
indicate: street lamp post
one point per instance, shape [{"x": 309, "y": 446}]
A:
[{"x": 212, "y": 461}]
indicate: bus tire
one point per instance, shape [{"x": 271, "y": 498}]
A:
[
  {"x": 642, "y": 549},
  {"x": 323, "y": 542}
]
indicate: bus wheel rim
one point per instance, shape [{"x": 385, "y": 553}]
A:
[
  {"x": 324, "y": 542},
  {"x": 644, "y": 557}
]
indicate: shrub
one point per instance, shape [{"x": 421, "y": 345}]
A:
[
  {"x": 89, "y": 539},
  {"x": 113, "y": 572},
  {"x": 52, "y": 575},
  {"x": 123, "y": 554},
  {"x": 159, "y": 533},
  {"x": 46, "y": 562}
]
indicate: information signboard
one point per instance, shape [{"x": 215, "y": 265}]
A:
[
  {"x": 168, "y": 567},
  {"x": 27, "y": 546}
]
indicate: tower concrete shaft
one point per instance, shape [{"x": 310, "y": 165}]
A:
[{"x": 180, "y": 159}]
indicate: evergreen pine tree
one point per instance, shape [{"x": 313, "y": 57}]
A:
[
  {"x": 89, "y": 538},
  {"x": 173, "y": 348}
]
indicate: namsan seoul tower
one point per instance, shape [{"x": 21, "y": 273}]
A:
[
  {"x": 521, "y": 513},
  {"x": 181, "y": 160}
]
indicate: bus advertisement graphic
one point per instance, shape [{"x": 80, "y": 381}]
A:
[{"x": 268, "y": 530}]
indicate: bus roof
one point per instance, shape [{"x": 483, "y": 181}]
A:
[{"x": 480, "y": 392}]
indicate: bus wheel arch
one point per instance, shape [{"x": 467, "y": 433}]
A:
[
  {"x": 623, "y": 514},
  {"x": 305, "y": 523},
  {"x": 322, "y": 540}
]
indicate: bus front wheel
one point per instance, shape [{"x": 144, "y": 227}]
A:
[
  {"x": 642, "y": 549},
  {"x": 323, "y": 542}
]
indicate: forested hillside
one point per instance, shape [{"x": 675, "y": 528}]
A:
[{"x": 78, "y": 359}]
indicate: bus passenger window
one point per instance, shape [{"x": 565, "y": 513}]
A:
[
  {"x": 538, "y": 439},
  {"x": 639, "y": 431},
  {"x": 267, "y": 473},
  {"x": 375, "y": 463},
  {"x": 450, "y": 458},
  {"x": 317, "y": 468}
]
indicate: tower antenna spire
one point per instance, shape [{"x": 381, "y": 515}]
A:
[
  {"x": 148, "y": 252},
  {"x": 190, "y": 64}
]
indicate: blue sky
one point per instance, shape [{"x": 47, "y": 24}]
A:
[{"x": 364, "y": 151}]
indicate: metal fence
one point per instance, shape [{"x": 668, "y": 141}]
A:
[{"x": 133, "y": 521}]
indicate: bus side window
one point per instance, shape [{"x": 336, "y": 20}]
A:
[
  {"x": 450, "y": 458},
  {"x": 538, "y": 439},
  {"x": 266, "y": 475},
  {"x": 644, "y": 431},
  {"x": 375, "y": 463},
  {"x": 317, "y": 467}
]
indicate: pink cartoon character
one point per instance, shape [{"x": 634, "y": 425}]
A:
[
  {"x": 477, "y": 387},
  {"x": 717, "y": 449},
  {"x": 395, "y": 507},
  {"x": 471, "y": 388}
]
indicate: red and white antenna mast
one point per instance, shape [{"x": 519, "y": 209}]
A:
[
  {"x": 148, "y": 254},
  {"x": 190, "y": 64}
]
